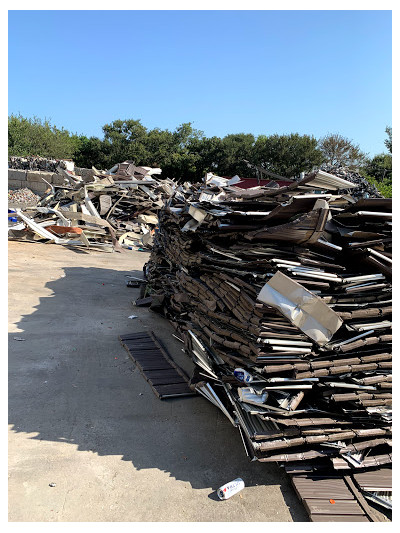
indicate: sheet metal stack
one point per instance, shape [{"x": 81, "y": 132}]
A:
[
  {"x": 106, "y": 211},
  {"x": 292, "y": 285}
]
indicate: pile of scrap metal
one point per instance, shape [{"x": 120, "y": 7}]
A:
[
  {"x": 282, "y": 297},
  {"x": 364, "y": 189},
  {"x": 109, "y": 210},
  {"x": 36, "y": 163}
]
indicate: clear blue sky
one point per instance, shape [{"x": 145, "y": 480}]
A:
[{"x": 259, "y": 72}]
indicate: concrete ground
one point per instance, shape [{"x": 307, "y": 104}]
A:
[{"x": 83, "y": 418}]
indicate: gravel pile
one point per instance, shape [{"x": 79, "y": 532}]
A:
[{"x": 23, "y": 196}]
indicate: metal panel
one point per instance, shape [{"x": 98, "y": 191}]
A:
[
  {"x": 164, "y": 376},
  {"x": 321, "y": 487},
  {"x": 377, "y": 480},
  {"x": 324, "y": 506},
  {"x": 338, "y": 518}
]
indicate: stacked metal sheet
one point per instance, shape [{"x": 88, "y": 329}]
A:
[
  {"x": 106, "y": 211},
  {"x": 282, "y": 296}
]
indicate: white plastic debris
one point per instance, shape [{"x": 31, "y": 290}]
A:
[{"x": 230, "y": 489}]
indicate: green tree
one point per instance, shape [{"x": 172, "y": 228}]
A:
[
  {"x": 233, "y": 149},
  {"x": 184, "y": 134},
  {"x": 208, "y": 151},
  {"x": 378, "y": 170},
  {"x": 339, "y": 150},
  {"x": 34, "y": 137},
  {"x": 130, "y": 140},
  {"x": 388, "y": 141},
  {"x": 380, "y": 167},
  {"x": 126, "y": 140},
  {"x": 92, "y": 152},
  {"x": 185, "y": 153},
  {"x": 287, "y": 155},
  {"x": 159, "y": 144},
  {"x": 173, "y": 152}
]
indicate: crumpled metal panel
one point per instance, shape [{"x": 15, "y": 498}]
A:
[{"x": 303, "y": 308}]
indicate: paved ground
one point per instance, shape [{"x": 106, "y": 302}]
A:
[{"x": 81, "y": 416}]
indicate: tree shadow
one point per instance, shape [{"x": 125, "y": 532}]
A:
[{"x": 71, "y": 381}]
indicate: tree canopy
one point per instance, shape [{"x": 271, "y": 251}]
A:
[
  {"x": 388, "y": 141},
  {"x": 378, "y": 170},
  {"x": 380, "y": 167},
  {"x": 186, "y": 153},
  {"x": 34, "y": 137},
  {"x": 287, "y": 155},
  {"x": 339, "y": 150}
]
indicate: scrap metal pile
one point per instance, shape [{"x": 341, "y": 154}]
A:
[
  {"x": 107, "y": 211},
  {"x": 35, "y": 163},
  {"x": 282, "y": 297},
  {"x": 364, "y": 189}
]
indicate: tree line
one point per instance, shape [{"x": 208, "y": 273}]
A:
[{"x": 186, "y": 153}]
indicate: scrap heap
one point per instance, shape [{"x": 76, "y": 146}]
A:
[
  {"x": 282, "y": 297},
  {"x": 104, "y": 211},
  {"x": 364, "y": 189},
  {"x": 35, "y": 163}
]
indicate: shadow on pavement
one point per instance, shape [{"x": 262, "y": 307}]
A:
[{"x": 71, "y": 381}]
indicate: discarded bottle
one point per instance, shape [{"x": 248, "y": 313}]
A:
[
  {"x": 242, "y": 375},
  {"x": 231, "y": 488}
]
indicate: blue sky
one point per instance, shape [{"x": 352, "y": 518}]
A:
[{"x": 259, "y": 72}]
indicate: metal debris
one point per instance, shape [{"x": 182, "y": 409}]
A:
[
  {"x": 37, "y": 163},
  {"x": 317, "y": 345},
  {"x": 106, "y": 211},
  {"x": 164, "y": 376}
]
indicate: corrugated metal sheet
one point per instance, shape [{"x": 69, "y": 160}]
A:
[
  {"x": 323, "y": 506},
  {"x": 321, "y": 487},
  {"x": 247, "y": 183},
  {"x": 165, "y": 377},
  {"x": 328, "y": 498},
  {"x": 338, "y": 518},
  {"x": 379, "y": 480}
]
